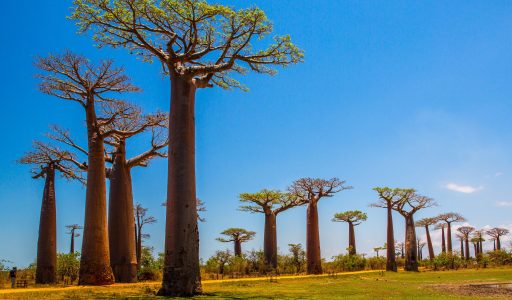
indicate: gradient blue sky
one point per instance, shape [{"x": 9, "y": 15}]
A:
[{"x": 397, "y": 93}]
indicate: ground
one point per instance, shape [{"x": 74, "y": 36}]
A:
[{"x": 359, "y": 285}]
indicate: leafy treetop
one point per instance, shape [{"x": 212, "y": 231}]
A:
[
  {"x": 352, "y": 216},
  {"x": 236, "y": 234}
]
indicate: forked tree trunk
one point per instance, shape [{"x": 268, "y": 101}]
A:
[
  {"x": 238, "y": 248},
  {"x": 47, "y": 242},
  {"x": 390, "y": 244},
  {"x": 443, "y": 243},
  {"x": 467, "y": 249},
  {"x": 314, "y": 259},
  {"x": 431, "y": 254},
  {"x": 121, "y": 228},
  {"x": 449, "y": 238},
  {"x": 270, "y": 240},
  {"x": 95, "y": 260},
  {"x": 351, "y": 239},
  {"x": 72, "y": 246},
  {"x": 181, "y": 275},
  {"x": 411, "y": 251}
]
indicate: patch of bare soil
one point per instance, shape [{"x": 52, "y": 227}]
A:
[{"x": 487, "y": 289}]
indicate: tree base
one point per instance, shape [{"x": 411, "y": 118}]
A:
[
  {"x": 391, "y": 267},
  {"x": 95, "y": 275},
  {"x": 125, "y": 273},
  {"x": 46, "y": 275},
  {"x": 185, "y": 285}
]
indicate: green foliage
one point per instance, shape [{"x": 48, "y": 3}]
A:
[
  {"x": 236, "y": 234},
  {"x": 445, "y": 261},
  {"x": 150, "y": 267},
  {"x": 499, "y": 257},
  {"x": 348, "y": 263},
  {"x": 376, "y": 263},
  {"x": 68, "y": 266},
  {"x": 351, "y": 216}
]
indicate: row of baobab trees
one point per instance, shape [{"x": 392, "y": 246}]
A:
[{"x": 308, "y": 191}]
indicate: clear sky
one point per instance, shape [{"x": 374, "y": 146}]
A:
[{"x": 392, "y": 93}]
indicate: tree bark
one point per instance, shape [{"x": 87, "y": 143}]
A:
[
  {"x": 462, "y": 249},
  {"x": 411, "y": 251},
  {"x": 431, "y": 254},
  {"x": 443, "y": 243},
  {"x": 449, "y": 237},
  {"x": 181, "y": 275},
  {"x": 238, "y": 248},
  {"x": 270, "y": 240},
  {"x": 494, "y": 245},
  {"x": 351, "y": 239},
  {"x": 47, "y": 243},
  {"x": 72, "y": 246},
  {"x": 467, "y": 249},
  {"x": 121, "y": 228},
  {"x": 390, "y": 245},
  {"x": 498, "y": 243},
  {"x": 314, "y": 259},
  {"x": 95, "y": 260},
  {"x": 138, "y": 246}
]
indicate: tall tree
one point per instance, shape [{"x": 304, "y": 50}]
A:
[
  {"x": 420, "y": 245},
  {"x": 298, "y": 256},
  {"x": 388, "y": 199},
  {"x": 199, "y": 45},
  {"x": 407, "y": 208},
  {"x": 496, "y": 233},
  {"x": 425, "y": 223},
  {"x": 141, "y": 219},
  {"x": 46, "y": 160},
  {"x": 310, "y": 191},
  {"x": 72, "y": 77},
  {"x": 450, "y": 218},
  {"x": 72, "y": 232},
  {"x": 460, "y": 237},
  {"x": 271, "y": 203},
  {"x": 442, "y": 226},
  {"x": 353, "y": 218},
  {"x": 465, "y": 231},
  {"x": 237, "y": 236}
]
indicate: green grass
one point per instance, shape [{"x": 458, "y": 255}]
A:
[{"x": 424, "y": 285}]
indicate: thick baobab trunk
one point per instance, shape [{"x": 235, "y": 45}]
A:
[
  {"x": 498, "y": 243},
  {"x": 467, "y": 248},
  {"x": 314, "y": 259},
  {"x": 238, "y": 248},
  {"x": 95, "y": 260},
  {"x": 351, "y": 239},
  {"x": 390, "y": 244},
  {"x": 449, "y": 237},
  {"x": 47, "y": 242},
  {"x": 462, "y": 249},
  {"x": 411, "y": 251},
  {"x": 121, "y": 228},
  {"x": 431, "y": 254},
  {"x": 270, "y": 240},
  {"x": 181, "y": 275},
  {"x": 72, "y": 245},
  {"x": 443, "y": 243}
]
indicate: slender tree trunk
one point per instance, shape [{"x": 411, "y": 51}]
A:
[
  {"x": 449, "y": 237},
  {"x": 498, "y": 243},
  {"x": 494, "y": 245},
  {"x": 467, "y": 249},
  {"x": 443, "y": 243},
  {"x": 475, "y": 249},
  {"x": 270, "y": 240},
  {"x": 402, "y": 254},
  {"x": 411, "y": 252},
  {"x": 351, "y": 239},
  {"x": 431, "y": 254},
  {"x": 390, "y": 245},
  {"x": 72, "y": 246},
  {"x": 121, "y": 228},
  {"x": 481, "y": 245},
  {"x": 462, "y": 249},
  {"x": 238, "y": 248},
  {"x": 139, "y": 247},
  {"x": 47, "y": 243},
  {"x": 181, "y": 276},
  {"x": 314, "y": 258},
  {"x": 95, "y": 260}
]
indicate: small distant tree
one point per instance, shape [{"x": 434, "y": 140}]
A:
[
  {"x": 425, "y": 223},
  {"x": 298, "y": 256},
  {"x": 310, "y": 191},
  {"x": 478, "y": 235},
  {"x": 460, "y": 237},
  {"x": 400, "y": 249},
  {"x": 72, "y": 232},
  {"x": 388, "y": 199},
  {"x": 421, "y": 245},
  {"x": 222, "y": 258},
  {"x": 442, "y": 226},
  {"x": 271, "y": 203},
  {"x": 141, "y": 219},
  {"x": 353, "y": 218},
  {"x": 47, "y": 160},
  {"x": 465, "y": 231},
  {"x": 378, "y": 249},
  {"x": 237, "y": 236},
  {"x": 68, "y": 265},
  {"x": 450, "y": 218},
  {"x": 496, "y": 233}
]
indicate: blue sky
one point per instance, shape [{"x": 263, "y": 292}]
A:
[{"x": 392, "y": 93}]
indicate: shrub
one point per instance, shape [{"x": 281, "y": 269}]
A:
[
  {"x": 68, "y": 266},
  {"x": 349, "y": 262},
  {"x": 376, "y": 263}
]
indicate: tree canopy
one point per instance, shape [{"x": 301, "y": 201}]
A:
[
  {"x": 268, "y": 201},
  {"x": 236, "y": 234},
  {"x": 352, "y": 216}
]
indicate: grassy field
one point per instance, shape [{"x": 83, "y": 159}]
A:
[{"x": 363, "y": 285}]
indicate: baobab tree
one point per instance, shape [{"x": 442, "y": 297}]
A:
[
  {"x": 465, "y": 231},
  {"x": 388, "y": 199},
  {"x": 270, "y": 203},
  {"x": 378, "y": 249},
  {"x": 353, "y": 218},
  {"x": 420, "y": 246},
  {"x": 47, "y": 160},
  {"x": 73, "y": 78},
  {"x": 496, "y": 233},
  {"x": 460, "y": 237},
  {"x": 140, "y": 221},
  {"x": 478, "y": 237},
  {"x": 450, "y": 218},
  {"x": 198, "y": 45},
  {"x": 425, "y": 223},
  {"x": 72, "y": 232},
  {"x": 310, "y": 191},
  {"x": 442, "y": 227},
  {"x": 237, "y": 236},
  {"x": 407, "y": 208}
]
